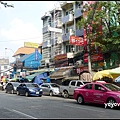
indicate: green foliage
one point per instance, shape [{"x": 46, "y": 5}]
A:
[{"x": 109, "y": 13}]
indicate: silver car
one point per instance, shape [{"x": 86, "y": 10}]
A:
[{"x": 50, "y": 89}]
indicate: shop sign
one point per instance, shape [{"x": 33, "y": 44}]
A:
[{"x": 95, "y": 57}]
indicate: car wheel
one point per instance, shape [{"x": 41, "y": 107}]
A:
[
  {"x": 5, "y": 90},
  {"x": 12, "y": 91},
  {"x": 40, "y": 95},
  {"x": 18, "y": 93},
  {"x": 65, "y": 94},
  {"x": 51, "y": 93},
  {"x": 80, "y": 99},
  {"x": 26, "y": 94},
  {"x": 110, "y": 101}
]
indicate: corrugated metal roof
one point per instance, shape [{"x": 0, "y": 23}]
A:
[{"x": 24, "y": 50}]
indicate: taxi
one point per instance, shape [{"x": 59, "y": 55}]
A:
[{"x": 98, "y": 92}]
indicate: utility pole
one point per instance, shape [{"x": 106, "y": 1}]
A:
[{"x": 88, "y": 41}]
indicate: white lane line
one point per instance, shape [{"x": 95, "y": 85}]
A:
[
  {"x": 85, "y": 108},
  {"x": 24, "y": 114}
]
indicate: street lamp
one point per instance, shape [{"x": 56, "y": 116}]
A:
[{"x": 9, "y": 49}]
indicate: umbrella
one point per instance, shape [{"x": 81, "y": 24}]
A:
[
  {"x": 101, "y": 74},
  {"x": 115, "y": 72},
  {"x": 117, "y": 79}
]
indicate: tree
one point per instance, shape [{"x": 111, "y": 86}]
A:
[
  {"x": 107, "y": 15},
  {"x": 6, "y": 5}
]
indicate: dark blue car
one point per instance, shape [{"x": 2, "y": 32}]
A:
[{"x": 29, "y": 89}]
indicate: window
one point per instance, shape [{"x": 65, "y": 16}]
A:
[
  {"x": 88, "y": 86},
  {"x": 69, "y": 48},
  {"x": 5, "y": 67},
  {"x": 66, "y": 12},
  {"x": 97, "y": 87},
  {"x": 79, "y": 83},
  {"x": 73, "y": 83}
]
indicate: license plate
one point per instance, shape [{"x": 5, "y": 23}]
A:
[{"x": 37, "y": 92}]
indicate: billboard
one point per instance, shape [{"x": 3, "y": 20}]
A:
[
  {"x": 36, "y": 54},
  {"x": 31, "y": 44},
  {"x": 78, "y": 41}
]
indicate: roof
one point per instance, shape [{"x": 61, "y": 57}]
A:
[
  {"x": 24, "y": 50},
  {"x": 59, "y": 73},
  {"x": 24, "y": 57}
]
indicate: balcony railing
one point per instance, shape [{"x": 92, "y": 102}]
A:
[
  {"x": 78, "y": 12},
  {"x": 65, "y": 37},
  {"x": 45, "y": 29},
  {"x": 44, "y": 44},
  {"x": 67, "y": 18},
  {"x": 79, "y": 32}
]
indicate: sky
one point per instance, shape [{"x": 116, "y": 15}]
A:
[{"x": 21, "y": 24}]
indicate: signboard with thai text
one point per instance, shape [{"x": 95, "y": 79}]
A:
[
  {"x": 30, "y": 44},
  {"x": 78, "y": 41},
  {"x": 61, "y": 60}
]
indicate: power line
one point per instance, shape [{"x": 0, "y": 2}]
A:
[{"x": 19, "y": 39}]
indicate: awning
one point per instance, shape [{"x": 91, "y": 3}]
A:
[
  {"x": 30, "y": 77},
  {"x": 72, "y": 78},
  {"x": 61, "y": 73},
  {"x": 43, "y": 70}
]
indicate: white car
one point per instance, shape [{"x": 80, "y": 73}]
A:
[{"x": 50, "y": 89}]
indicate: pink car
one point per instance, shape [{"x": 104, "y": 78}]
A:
[{"x": 98, "y": 92}]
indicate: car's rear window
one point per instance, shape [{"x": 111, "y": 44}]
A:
[
  {"x": 54, "y": 85},
  {"x": 32, "y": 85}
]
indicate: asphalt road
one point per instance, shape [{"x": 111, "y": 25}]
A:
[{"x": 21, "y": 107}]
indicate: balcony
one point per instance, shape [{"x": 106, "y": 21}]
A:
[
  {"x": 67, "y": 18},
  {"x": 79, "y": 32},
  {"x": 44, "y": 44},
  {"x": 65, "y": 37},
  {"x": 59, "y": 23},
  {"x": 78, "y": 12},
  {"x": 45, "y": 29}
]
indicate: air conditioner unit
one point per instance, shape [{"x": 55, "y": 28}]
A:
[
  {"x": 79, "y": 62},
  {"x": 72, "y": 32}
]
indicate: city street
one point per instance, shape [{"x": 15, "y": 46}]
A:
[{"x": 13, "y": 106}]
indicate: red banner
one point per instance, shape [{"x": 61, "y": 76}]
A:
[
  {"x": 85, "y": 37},
  {"x": 78, "y": 41},
  {"x": 95, "y": 57}
]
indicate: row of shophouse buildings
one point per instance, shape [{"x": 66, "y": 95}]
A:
[{"x": 57, "y": 52}]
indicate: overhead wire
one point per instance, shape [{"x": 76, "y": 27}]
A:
[{"x": 19, "y": 39}]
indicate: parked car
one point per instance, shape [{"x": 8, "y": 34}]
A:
[
  {"x": 50, "y": 89},
  {"x": 10, "y": 87},
  {"x": 29, "y": 89},
  {"x": 68, "y": 90},
  {"x": 97, "y": 92}
]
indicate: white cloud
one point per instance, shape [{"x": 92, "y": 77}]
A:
[{"x": 21, "y": 32}]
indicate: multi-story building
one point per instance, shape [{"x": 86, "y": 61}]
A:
[
  {"x": 71, "y": 14},
  {"x": 56, "y": 36},
  {"x": 5, "y": 68},
  {"x": 51, "y": 45}
]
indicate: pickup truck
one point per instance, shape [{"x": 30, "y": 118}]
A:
[{"x": 68, "y": 90}]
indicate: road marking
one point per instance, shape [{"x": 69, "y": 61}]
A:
[
  {"x": 24, "y": 114},
  {"x": 84, "y": 108}
]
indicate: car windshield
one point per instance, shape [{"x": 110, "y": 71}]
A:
[
  {"x": 15, "y": 84},
  {"x": 112, "y": 87},
  {"x": 54, "y": 85},
  {"x": 32, "y": 85}
]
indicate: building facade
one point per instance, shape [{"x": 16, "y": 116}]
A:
[
  {"x": 52, "y": 32},
  {"x": 58, "y": 26}
]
